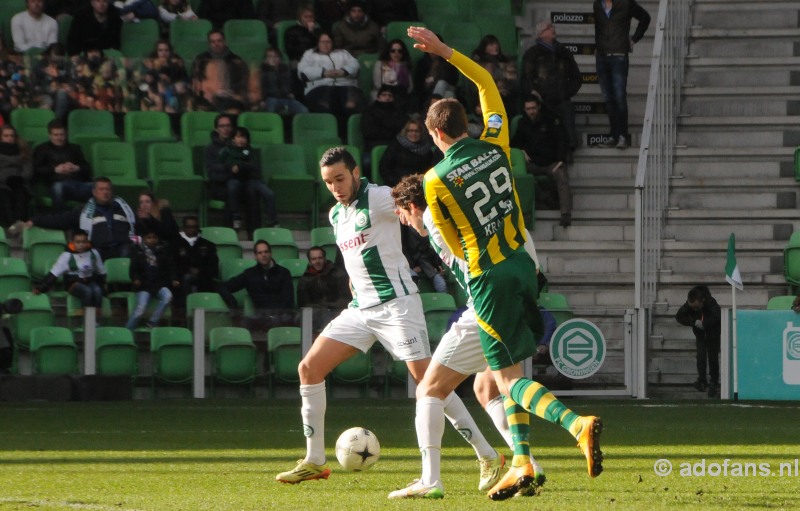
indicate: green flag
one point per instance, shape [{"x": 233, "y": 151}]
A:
[{"x": 732, "y": 274}]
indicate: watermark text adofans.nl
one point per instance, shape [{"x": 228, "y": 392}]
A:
[{"x": 727, "y": 468}]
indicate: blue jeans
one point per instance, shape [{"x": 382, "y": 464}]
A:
[
  {"x": 612, "y": 73},
  {"x": 288, "y": 106},
  {"x": 63, "y": 191},
  {"x": 142, "y": 299},
  {"x": 256, "y": 189},
  {"x": 90, "y": 295}
]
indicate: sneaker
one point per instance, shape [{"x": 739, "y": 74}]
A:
[
  {"x": 622, "y": 143},
  {"x": 608, "y": 144},
  {"x": 237, "y": 224},
  {"x": 516, "y": 479},
  {"x": 417, "y": 490},
  {"x": 304, "y": 471},
  {"x": 589, "y": 443},
  {"x": 490, "y": 471}
]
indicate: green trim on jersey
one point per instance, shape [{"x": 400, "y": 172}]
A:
[{"x": 377, "y": 273}]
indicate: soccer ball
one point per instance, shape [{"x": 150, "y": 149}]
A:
[{"x": 357, "y": 449}]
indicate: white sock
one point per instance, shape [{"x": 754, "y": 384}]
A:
[
  {"x": 459, "y": 417},
  {"x": 429, "y": 423},
  {"x": 497, "y": 412},
  {"x": 314, "y": 402}
]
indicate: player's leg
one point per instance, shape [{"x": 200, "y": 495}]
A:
[{"x": 325, "y": 354}]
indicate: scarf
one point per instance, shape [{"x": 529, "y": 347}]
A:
[{"x": 422, "y": 147}]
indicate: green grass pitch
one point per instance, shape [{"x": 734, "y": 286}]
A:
[{"x": 175, "y": 455}]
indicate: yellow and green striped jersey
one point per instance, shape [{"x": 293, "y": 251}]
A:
[{"x": 471, "y": 192}]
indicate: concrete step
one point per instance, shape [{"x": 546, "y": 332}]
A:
[
  {"x": 764, "y": 15},
  {"x": 720, "y": 230},
  {"x": 739, "y": 123},
  {"x": 690, "y": 184},
  {"x": 714, "y": 215},
  {"x": 728, "y": 169},
  {"x": 743, "y": 71},
  {"x": 732, "y": 47},
  {"x": 702, "y": 199},
  {"x": 743, "y": 105},
  {"x": 707, "y": 136},
  {"x": 698, "y": 153},
  {"x": 684, "y": 264}
]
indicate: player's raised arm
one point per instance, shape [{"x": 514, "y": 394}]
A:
[{"x": 496, "y": 129}]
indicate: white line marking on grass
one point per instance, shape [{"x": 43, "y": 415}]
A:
[{"x": 71, "y": 505}]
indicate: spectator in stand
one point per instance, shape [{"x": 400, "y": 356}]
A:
[
  {"x": 384, "y": 12},
  {"x": 272, "y": 12},
  {"x": 83, "y": 271},
  {"x": 155, "y": 215},
  {"x": 152, "y": 273},
  {"x": 51, "y": 81},
  {"x": 331, "y": 81},
  {"x": 96, "y": 25},
  {"x": 269, "y": 286},
  {"x": 434, "y": 76},
  {"x": 164, "y": 73},
  {"x": 170, "y": 10},
  {"x": 108, "y": 220},
  {"x": 240, "y": 165},
  {"x": 356, "y": 32},
  {"x": 543, "y": 140},
  {"x": 382, "y": 120},
  {"x": 227, "y": 190},
  {"x": 297, "y": 39},
  {"x": 220, "y": 11},
  {"x": 220, "y": 77},
  {"x": 196, "y": 262},
  {"x": 411, "y": 152},
  {"x": 62, "y": 167},
  {"x": 394, "y": 69},
  {"x": 550, "y": 69},
  {"x": 14, "y": 82},
  {"x": 422, "y": 259},
  {"x": 32, "y": 28},
  {"x": 133, "y": 11},
  {"x": 16, "y": 172},
  {"x": 329, "y": 12},
  {"x": 323, "y": 286},
  {"x": 276, "y": 85},
  {"x": 490, "y": 55},
  {"x": 613, "y": 43}
]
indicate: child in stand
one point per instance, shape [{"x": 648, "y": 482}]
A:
[
  {"x": 152, "y": 274},
  {"x": 83, "y": 271},
  {"x": 242, "y": 164}
]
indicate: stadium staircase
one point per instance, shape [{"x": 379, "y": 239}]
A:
[{"x": 739, "y": 122}]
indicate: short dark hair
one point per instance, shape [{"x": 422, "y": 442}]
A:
[
  {"x": 79, "y": 232},
  {"x": 698, "y": 293},
  {"x": 222, "y": 116},
  {"x": 56, "y": 124},
  {"x": 101, "y": 179},
  {"x": 315, "y": 247},
  {"x": 191, "y": 217},
  {"x": 338, "y": 154},
  {"x": 215, "y": 31},
  {"x": 243, "y": 132},
  {"x": 261, "y": 242},
  {"x": 409, "y": 191},
  {"x": 449, "y": 116}
]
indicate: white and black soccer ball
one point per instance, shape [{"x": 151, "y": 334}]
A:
[{"x": 357, "y": 449}]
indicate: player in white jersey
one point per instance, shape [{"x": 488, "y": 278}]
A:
[
  {"x": 386, "y": 307},
  {"x": 458, "y": 355}
]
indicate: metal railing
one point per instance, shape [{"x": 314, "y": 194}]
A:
[{"x": 656, "y": 154}]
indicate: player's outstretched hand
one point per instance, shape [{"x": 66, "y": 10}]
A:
[{"x": 428, "y": 42}]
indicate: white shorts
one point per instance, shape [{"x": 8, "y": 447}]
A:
[
  {"x": 460, "y": 347},
  {"x": 399, "y": 325}
]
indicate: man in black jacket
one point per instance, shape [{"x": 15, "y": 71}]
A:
[
  {"x": 62, "y": 166},
  {"x": 220, "y": 77},
  {"x": 231, "y": 190},
  {"x": 701, "y": 312},
  {"x": 550, "y": 69},
  {"x": 96, "y": 25},
  {"x": 612, "y": 26},
  {"x": 269, "y": 286},
  {"x": 323, "y": 286},
  {"x": 196, "y": 262}
]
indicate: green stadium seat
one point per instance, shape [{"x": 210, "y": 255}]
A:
[
  {"x": 31, "y": 124},
  {"x": 196, "y": 128},
  {"x": 36, "y": 311},
  {"x": 280, "y": 239},
  {"x": 504, "y": 28},
  {"x": 438, "y": 307},
  {"x": 42, "y": 248},
  {"x": 438, "y": 9},
  {"x": 216, "y": 311},
  {"x": 280, "y": 31},
  {"x": 118, "y": 279},
  {"x": 314, "y": 126},
  {"x": 525, "y": 185},
  {"x": 234, "y": 356},
  {"x": 116, "y": 352},
  {"x": 117, "y": 161},
  {"x": 557, "y": 304},
  {"x": 489, "y": 8},
  {"x": 797, "y": 164},
  {"x": 781, "y": 303},
  {"x": 231, "y": 267},
  {"x": 356, "y": 370},
  {"x": 172, "y": 355},
  {"x": 14, "y": 276},
  {"x": 296, "y": 266},
  {"x": 265, "y": 127},
  {"x": 284, "y": 348},
  {"x": 247, "y": 38},
  {"x": 137, "y": 39},
  {"x": 64, "y": 24},
  {"x": 462, "y": 35},
  {"x": 398, "y": 30},
  {"x": 294, "y": 187},
  {"x": 171, "y": 172},
  {"x": 354, "y": 135},
  {"x": 54, "y": 351},
  {"x": 8, "y": 8},
  {"x": 375, "y": 163},
  {"x": 85, "y": 127},
  {"x": 325, "y": 238},
  {"x": 141, "y": 130},
  {"x": 189, "y": 38},
  {"x": 366, "y": 63},
  {"x": 75, "y": 313},
  {"x": 226, "y": 240},
  {"x": 4, "y": 249},
  {"x": 397, "y": 372}
]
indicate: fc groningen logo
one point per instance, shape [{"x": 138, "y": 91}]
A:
[{"x": 578, "y": 348}]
